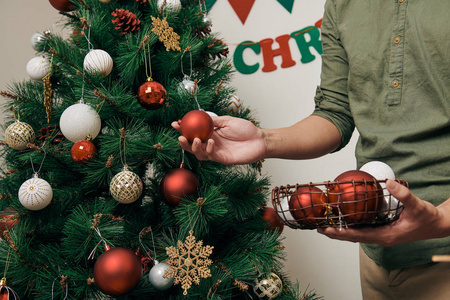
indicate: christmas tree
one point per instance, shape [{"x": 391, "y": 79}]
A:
[{"x": 98, "y": 200}]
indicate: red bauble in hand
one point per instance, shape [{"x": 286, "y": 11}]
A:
[
  {"x": 308, "y": 205},
  {"x": 83, "y": 151},
  {"x": 151, "y": 95},
  {"x": 356, "y": 195},
  {"x": 273, "y": 220},
  {"x": 117, "y": 271},
  {"x": 178, "y": 183},
  {"x": 8, "y": 218},
  {"x": 62, "y": 5},
  {"x": 196, "y": 123}
]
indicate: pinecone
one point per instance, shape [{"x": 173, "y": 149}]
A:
[
  {"x": 125, "y": 21},
  {"x": 222, "y": 51}
]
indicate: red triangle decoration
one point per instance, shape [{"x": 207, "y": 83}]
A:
[{"x": 242, "y": 8}]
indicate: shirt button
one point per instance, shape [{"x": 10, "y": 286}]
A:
[
  {"x": 397, "y": 40},
  {"x": 395, "y": 83}
]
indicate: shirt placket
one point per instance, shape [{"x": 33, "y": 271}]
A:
[{"x": 396, "y": 58}]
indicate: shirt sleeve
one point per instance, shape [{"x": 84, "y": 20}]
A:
[{"x": 331, "y": 100}]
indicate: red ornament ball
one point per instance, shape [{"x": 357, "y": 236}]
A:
[
  {"x": 8, "y": 218},
  {"x": 62, "y": 5},
  {"x": 178, "y": 183},
  {"x": 151, "y": 95},
  {"x": 308, "y": 205},
  {"x": 197, "y": 123},
  {"x": 83, "y": 151},
  {"x": 357, "y": 195},
  {"x": 6, "y": 293},
  {"x": 273, "y": 220},
  {"x": 117, "y": 271}
]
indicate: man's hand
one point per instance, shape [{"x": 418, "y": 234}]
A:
[
  {"x": 234, "y": 141},
  {"x": 419, "y": 220}
]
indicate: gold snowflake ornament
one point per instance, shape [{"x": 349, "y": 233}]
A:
[
  {"x": 166, "y": 34},
  {"x": 188, "y": 262}
]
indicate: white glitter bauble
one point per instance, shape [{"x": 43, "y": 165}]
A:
[
  {"x": 233, "y": 103},
  {"x": 79, "y": 121},
  {"x": 156, "y": 278},
  {"x": 187, "y": 85},
  {"x": 98, "y": 61},
  {"x": 18, "y": 135},
  {"x": 36, "y": 39},
  {"x": 126, "y": 187},
  {"x": 35, "y": 193},
  {"x": 169, "y": 5},
  {"x": 38, "y": 67}
]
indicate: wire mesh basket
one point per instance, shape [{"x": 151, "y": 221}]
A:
[{"x": 336, "y": 204}]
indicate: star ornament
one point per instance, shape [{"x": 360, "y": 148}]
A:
[{"x": 188, "y": 262}]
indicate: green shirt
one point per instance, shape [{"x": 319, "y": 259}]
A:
[{"x": 386, "y": 70}]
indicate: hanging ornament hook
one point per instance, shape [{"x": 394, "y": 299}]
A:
[
  {"x": 42, "y": 162},
  {"x": 148, "y": 64}
]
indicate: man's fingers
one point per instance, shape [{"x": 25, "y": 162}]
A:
[
  {"x": 175, "y": 125},
  {"x": 401, "y": 193}
]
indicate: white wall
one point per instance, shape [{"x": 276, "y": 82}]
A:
[{"x": 278, "y": 99}]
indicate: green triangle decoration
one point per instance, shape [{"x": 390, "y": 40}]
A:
[
  {"x": 209, "y": 3},
  {"x": 288, "y": 4}
]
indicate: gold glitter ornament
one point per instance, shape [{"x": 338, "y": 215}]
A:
[
  {"x": 166, "y": 34},
  {"x": 188, "y": 262},
  {"x": 18, "y": 135},
  {"x": 126, "y": 187},
  {"x": 268, "y": 288}
]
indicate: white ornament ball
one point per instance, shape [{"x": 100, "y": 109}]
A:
[
  {"x": 156, "y": 277},
  {"x": 38, "y": 67},
  {"x": 18, "y": 135},
  {"x": 212, "y": 114},
  {"x": 233, "y": 103},
  {"x": 169, "y": 5},
  {"x": 126, "y": 187},
  {"x": 382, "y": 171},
  {"x": 36, "y": 39},
  {"x": 98, "y": 61},
  {"x": 35, "y": 193},
  {"x": 282, "y": 209},
  {"x": 187, "y": 85},
  {"x": 79, "y": 121}
]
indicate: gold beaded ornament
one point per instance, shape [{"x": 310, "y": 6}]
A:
[
  {"x": 268, "y": 288},
  {"x": 18, "y": 135},
  {"x": 126, "y": 186}
]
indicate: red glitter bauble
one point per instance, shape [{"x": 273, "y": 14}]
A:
[
  {"x": 83, "y": 151},
  {"x": 117, "y": 271},
  {"x": 358, "y": 196},
  {"x": 273, "y": 220},
  {"x": 308, "y": 205},
  {"x": 151, "y": 95},
  {"x": 178, "y": 183},
  {"x": 8, "y": 218},
  {"x": 196, "y": 124},
  {"x": 62, "y": 5}
]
